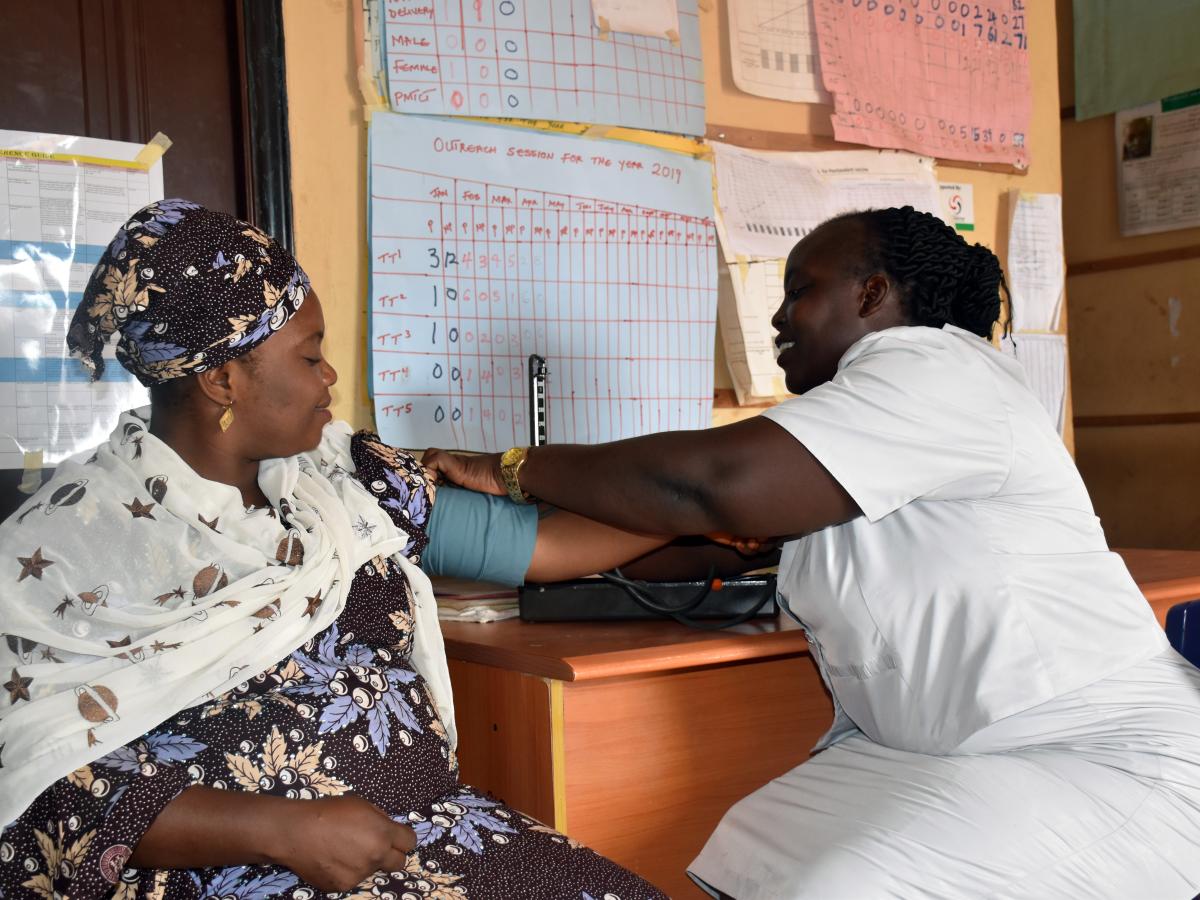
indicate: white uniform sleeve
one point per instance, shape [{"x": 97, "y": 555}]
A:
[{"x": 905, "y": 420}]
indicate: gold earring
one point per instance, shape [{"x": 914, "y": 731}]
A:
[{"x": 226, "y": 418}]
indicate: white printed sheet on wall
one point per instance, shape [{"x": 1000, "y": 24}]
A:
[
  {"x": 1044, "y": 359},
  {"x": 489, "y": 244},
  {"x": 769, "y": 200},
  {"x": 1036, "y": 268}
]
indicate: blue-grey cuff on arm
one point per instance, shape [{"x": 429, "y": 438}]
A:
[{"x": 480, "y": 537}]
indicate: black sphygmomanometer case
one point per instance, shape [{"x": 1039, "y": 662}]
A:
[{"x": 592, "y": 599}]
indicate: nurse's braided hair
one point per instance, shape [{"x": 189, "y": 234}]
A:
[{"x": 944, "y": 279}]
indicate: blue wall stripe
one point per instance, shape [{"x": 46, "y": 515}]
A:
[
  {"x": 41, "y": 298},
  {"x": 84, "y": 253},
  {"x": 40, "y": 371}
]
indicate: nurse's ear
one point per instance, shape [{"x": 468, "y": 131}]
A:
[{"x": 878, "y": 296}]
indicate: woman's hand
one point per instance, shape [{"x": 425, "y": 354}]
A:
[
  {"x": 476, "y": 472},
  {"x": 333, "y": 843},
  {"x": 336, "y": 843}
]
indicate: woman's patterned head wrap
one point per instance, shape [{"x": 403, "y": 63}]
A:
[{"x": 188, "y": 289}]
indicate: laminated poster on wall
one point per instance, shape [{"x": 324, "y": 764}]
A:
[
  {"x": 547, "y": 59},
  {"x": 773, "y": 50},
  {"x": 950, "y": 80},
  {"x": 1158, "y": 156},
  {"x": 489, "y": 244},
  {"x": 60, "y": 205}
]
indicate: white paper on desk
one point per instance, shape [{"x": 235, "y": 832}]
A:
[
  {"x": 462, "y": 600},
  {"x": 1035, "y": 260},
  {"x": 773, "y": 48},
  {"x": 769, "y": 200},
  {"x": 653, "y": 18},
  {"x": 1044, "y": 359},
  {"x": 477, "y": 612},
  {"x": 56, "y": 218}
]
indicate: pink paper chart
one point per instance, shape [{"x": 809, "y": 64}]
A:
[{"x": 945, "y": 78}]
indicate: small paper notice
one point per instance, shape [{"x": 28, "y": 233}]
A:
[
  {"x": 747, "y": 296},
  {"x": 1044, "y": 359},
  {"x": 958, "y": 205},
  {"x": 773, "y": 48},
  {"x": 1035, "y": 260},
  {"x": 653, "y": 18}
]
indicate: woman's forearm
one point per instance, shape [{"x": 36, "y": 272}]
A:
[
  {"x": 570, "y": 546},
  {"x": 205, "y": 827},
  {"x": 332, "y": 843}
]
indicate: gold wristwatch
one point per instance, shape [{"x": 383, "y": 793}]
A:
[{"x": 510, "y": 465}]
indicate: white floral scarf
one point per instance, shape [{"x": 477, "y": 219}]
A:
[{"x": 133, "y": 588}]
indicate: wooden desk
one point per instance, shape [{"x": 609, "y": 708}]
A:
[
  {"x": 1166, "y": 577},
  {"x": 636, "y": 737}
]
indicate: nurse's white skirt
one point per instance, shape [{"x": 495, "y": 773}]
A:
[{"x": 1094, "y": 794}]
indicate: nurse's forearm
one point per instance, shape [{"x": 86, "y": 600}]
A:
[
  {"x": 655, "y": 484},
  {"x": 750, "y": 479}
]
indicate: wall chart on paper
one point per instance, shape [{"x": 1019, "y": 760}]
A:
[
  {"x": 541, "y": 59},
  {"x": 56, "y": 217},
  {"x": 773, "y": 50},
  {"x": 769, "y": 200},
  {"x": 945, "y": 78},
  {"x": 489, "y": 244}
]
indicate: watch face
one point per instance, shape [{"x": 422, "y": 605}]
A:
[{"x": 511, "y": 456}]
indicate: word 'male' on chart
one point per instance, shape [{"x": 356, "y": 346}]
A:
[
  {"x": 541, "y": 59},
  {"x": 489, "y": 244}
]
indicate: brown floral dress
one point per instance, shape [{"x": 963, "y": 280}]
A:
[{"x": 345, "y": 713}]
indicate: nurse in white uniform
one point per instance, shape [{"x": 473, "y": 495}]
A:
[{"x": 1010, "y": 721}]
